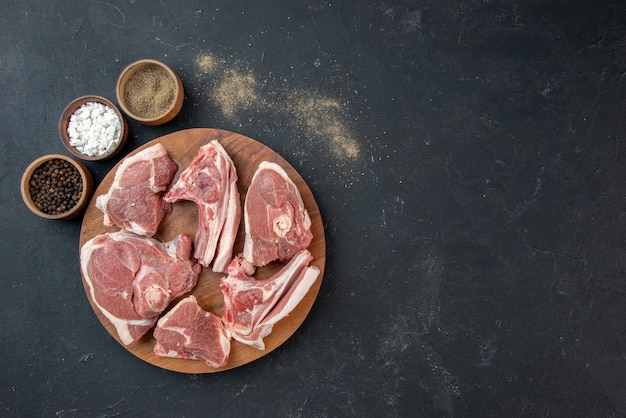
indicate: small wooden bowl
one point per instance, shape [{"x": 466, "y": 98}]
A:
[
  {"x": 74, "y": 211},
  {"x": 65, "y": 120},
  {"x": 133, "y": 98}
]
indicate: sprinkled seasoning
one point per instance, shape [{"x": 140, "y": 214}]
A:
[{"x": 55, "y": 186}]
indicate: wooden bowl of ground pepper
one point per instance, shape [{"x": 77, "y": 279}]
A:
[
  {"x": 149, "y": 92},
  {"x": 55, "y": 186}
]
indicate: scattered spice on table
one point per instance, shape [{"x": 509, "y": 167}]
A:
[
  {"x": 149, "y": 92},
  {"x": 55, "y": 186}
]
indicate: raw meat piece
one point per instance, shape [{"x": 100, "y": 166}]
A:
[
  {"x": 190, "y": 332},
  {"x": 276, "y": 223},
  {"x": 134, "y": 201},
  {"x": 252, "y": 307},
  {"x": 210, "y": 181},
  {"x": 132, "y": 279}
]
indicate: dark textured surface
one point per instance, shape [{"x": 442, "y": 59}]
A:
[{"x": 468, "y": 160}]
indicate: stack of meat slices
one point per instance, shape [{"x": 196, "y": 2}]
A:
[{"x": 133, "y": 277}]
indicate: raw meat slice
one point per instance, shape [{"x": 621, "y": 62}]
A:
[
  {"x": 277, "y": 225},
  {"x": 210, "y": 181},
  {"x": 134, "y": 201},
  {"x": 132, "y": 279},
  {"x": 190, "y": 332},
  {"x": 252, "y": 307}
]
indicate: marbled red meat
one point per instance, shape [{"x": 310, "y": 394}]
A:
[
  {"x": 134, "y": 201},
  {"x": 252, "y": 307},
  {"x": 277, "y": 225},
  {"x": 132, "y": 279},
  {"x": 210, "y": 181},
  {"x": 190, "y": 332}
]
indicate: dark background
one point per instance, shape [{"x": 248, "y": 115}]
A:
[{"x": 468, "y": 160}]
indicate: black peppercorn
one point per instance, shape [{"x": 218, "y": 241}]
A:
[{"x": 55, "y": 186}]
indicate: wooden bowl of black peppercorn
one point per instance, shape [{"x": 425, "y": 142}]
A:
[{"x": 56, "y": 187}]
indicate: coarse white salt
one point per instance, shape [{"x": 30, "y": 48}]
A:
[{"x": 94, "y": 129}]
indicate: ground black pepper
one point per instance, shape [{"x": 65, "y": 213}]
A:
[
  {"x": 55, "y": 186},
  {"x": 150, "y": 92}
]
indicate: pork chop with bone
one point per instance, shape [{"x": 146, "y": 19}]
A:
[
  {"x": 210, "y": 181},
  {"x": 134, "y": 201},
  {"x": 252, "y": 307},
  {"x": 277, "y": 225},
  {"x": 132, "y": 279}
]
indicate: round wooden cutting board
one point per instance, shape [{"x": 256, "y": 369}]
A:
[{"x": 247, "y": 154}]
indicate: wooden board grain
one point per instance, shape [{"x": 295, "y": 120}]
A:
[{"x": 247, "y": 154}]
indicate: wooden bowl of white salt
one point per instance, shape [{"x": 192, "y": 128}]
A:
[{"x": 93, "y": 128}]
